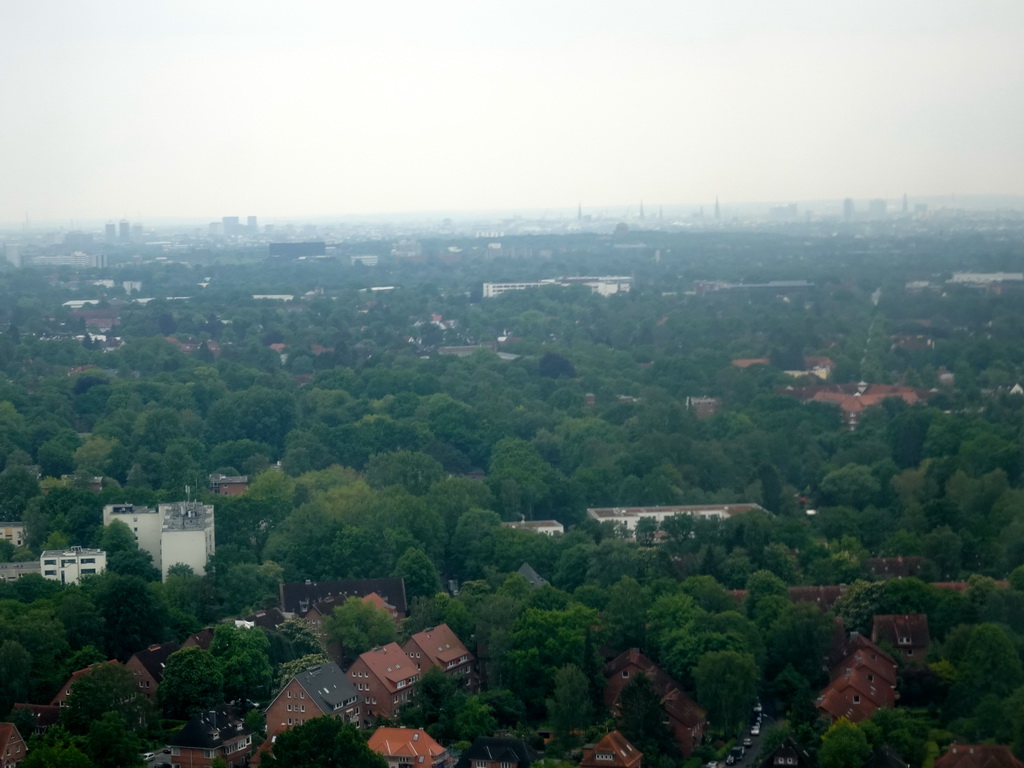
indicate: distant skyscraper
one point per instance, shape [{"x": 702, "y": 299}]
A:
[
  {"x": 124, "y": 231},
  {"x": 251, "y": 225},
  {"x": 641, "y": 209},
  {"x": 905, "y": 206},
  {"x": 877, "y": 209},
  {"x": 579, "y": 211},
  {"x": 110, "y": 232},
  {"x": 848, "y": 209},
  {"x": 231, "y": 226},
  {"x": 137, "y": 233},
  {"x": 718, "y": 211}
]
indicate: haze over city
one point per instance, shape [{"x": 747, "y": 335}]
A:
[{"x": 186, "y": 109}]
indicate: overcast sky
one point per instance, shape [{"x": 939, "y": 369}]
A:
[{"x": 235, "y": 107}]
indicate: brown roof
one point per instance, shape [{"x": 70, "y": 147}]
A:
[
  {"x": 908, "y": 630},
  {"x": 390, "y": 664},
  {"x": 673, "y": 699},
  {"x": 623, "y": 753},
  {"x": 44, "y": 715},
  {"x": 9, "y": 736},
  {"x": 154, "y": 658},
  {"x": 978, "y": 756},
  {"x": 824, "y": 597},
  {"x": 857, "y": 648},
  {"x": 411, "y": 743},
  {"x": 202, "y": 639},
  {"x": 299, "y": 596},
  {"x": 440, "y": 644}
]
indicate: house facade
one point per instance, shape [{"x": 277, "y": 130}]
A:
[
  {"x": 208, "y": 735},
  {"x": 147, "y": 666},
  {"x": 487, "y": 752},
  {"x": 440, "y": 647},
  {"x": 320, "y": 690},
  {"x": 862, "y": 681},
  {"x": 12, "y": 746},
  {"x": 908, "y": 633},
  {"x": 385, "y": 678}
]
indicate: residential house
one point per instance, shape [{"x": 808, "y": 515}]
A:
[
  {"x": 409, "y": 748},
  {"x": 545, "y": 527},
  {"x": 489, "y": 752},
  {"x": 788, "y": 755},
  {"x": 440, "y": 647},
  {"x": 148, "y": 665},
  {"x": 385, "y": 677},
  {"x": 61, "y": 697},
  {"x": 208, "y": 735},
  {"x": 612, "y": 751},
  {"x": 978, "y": 756},
  {"x": 228, "y": 485},
  {"x": 895, "y": 567},
  {"x": 320, "y": 690},
  {"x": 862, "y": 680},
  {"x": 201, "y": 639},
  {"x": 13, "y": 532},
  {"x": 12, "y": 746},
  {"x": 43, "y": 716},
  {"x": 297, "y": 597},
  {"x": 907, "y": 633},
  {"x": 686, "y": 720},
  {"x": 527, "y": 572}
]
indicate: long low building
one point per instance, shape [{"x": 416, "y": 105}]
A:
[
  {"x": 603, "y": 285},
  {"x": 628, "y": 517}
]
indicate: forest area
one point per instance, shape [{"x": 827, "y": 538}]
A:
[{"x": 373, "y": 450}]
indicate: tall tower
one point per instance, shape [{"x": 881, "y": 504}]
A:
[
  {"x": 641, "y": 209},
  {"x": 579, "y": 211},
  {"x": 905, "y": 206},
  {"x": 124, "y": 231},
  {"x": 848, "y": 209},
  {"x": 718, "y": 211}
]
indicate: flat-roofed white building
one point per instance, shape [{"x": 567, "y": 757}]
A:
[
  {"x": 13, "y": 532},
  {"x": 628, "y": 517},
  {"x": 187, "y": 535},
  {"x": 603, "y": 285},
  {"x": 68, "y": 566},
  {"x": 146, "y": 523},
  {"x": 545, "y": 527}
]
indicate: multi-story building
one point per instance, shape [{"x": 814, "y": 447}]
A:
[
  {"x": 210, "y": 735},
  {"x": 409, "y": 748},
  {"x": 13, "y": 532},
  {"x": 606, "y": 285},
  {"x": 68, "y": 566},
  {"x": 177, "y": 532},
  {"x": 440, "y": 647},
  {"x": 317, "y": 691},
  {"x": 186, "y": 536},
  {"x": 385, "y": 677},
  {"x": 627, "y": 518}
]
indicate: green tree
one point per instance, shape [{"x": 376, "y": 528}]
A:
[
  {"x": 359, "y": 626},
  {"x": 323, "y": 741},
  {"x": 132, "y": 612},
  {"x": 242, "y": 653},
  {"x": 414, "y": 471},
  {"x": 111, "y": 743},
  {"x": 107, "y": 687},
  {"x": 641, "y": 719},
  {"x": 15, "y": 674},
  {"x": 421, "y": 579},
  {"x": 625, "y": 617},
  {"x": 569, "y": 708},
  {"x": 192, "y": 683},
  {"x": 844, "y": 745},
  {"x": 727, "y": 687}
]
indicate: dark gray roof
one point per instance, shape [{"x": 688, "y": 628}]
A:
[
  {"x": 299, "y": 596},
  {"x": 515, "y": 751},
  {"x": 535, "y": 579},
  {"x": 328, "y": 687},
  {"x": 209, "y": 730}
]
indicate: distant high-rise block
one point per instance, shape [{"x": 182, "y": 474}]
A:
[
  {"x": 110, "y": 232},
  {"x": 848, "y": 209},
  {"x": 251, "y": 226},
  {"x": 232, "y": 226},
  {"x": 878, "y": 209},
  {"x": 124, "y": 231}
]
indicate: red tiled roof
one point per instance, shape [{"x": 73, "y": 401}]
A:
[
  {"x": 8, "y": 736},
  {"x": 623, "y": 753},
  {"x": 978, "y": 756},
  {"x": 390, "y": 664},
  {"x": 440, "y": 644},
  {"x": 902, "y": 630},
  {"x": 410, "y": 743}
]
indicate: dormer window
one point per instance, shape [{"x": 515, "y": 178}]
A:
[
  {"x": 625, "y": 673},
  {"x": 856, "y": 699}
]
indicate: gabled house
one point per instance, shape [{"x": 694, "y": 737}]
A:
[
  {"x": 686, "y": 719},
  {"x": 201, "y": 639},
  {"x": 440, "y": 647},
  {"x": 228, "y": 485},
  {"x": 409, "y": 748},
  {"x": 320, "y": 690},
  {"x": 612, "y": 751},
  {"x": 211, "y": 734},
  {"x": 978, "y": 756},
  {"x": 907, "y": 633},
  {"x": 60, "y": 698},
  {"x": 43, "y": 716},
  {"x": 385, "y": 677},
  {"x": 12, "y": 746},
  {"x": 297, "y": 597},
  {"x": 788, "y": 755},
  {"x": 487, "y": 752},
  {"x": 862, "y": 680},
  {"x": 148, "y": 665}
]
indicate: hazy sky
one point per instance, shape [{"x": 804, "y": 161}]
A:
[{"x": 234, "y": 107}]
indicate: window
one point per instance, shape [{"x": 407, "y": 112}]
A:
[
  {"x": 49, "y": 562},
  {"x": 871, "y": 678},
  {"x": 856, "y": 699},
  {"x": 289, "y": 707},
  {"x": 208, "y": 753},
  {"x": 625, "y": 673},
  {"x": 303, "y": 708},
  {"x": 910, "y": 651}
]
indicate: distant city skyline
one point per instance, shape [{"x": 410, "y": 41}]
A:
[{"x": 194, "y": 110}]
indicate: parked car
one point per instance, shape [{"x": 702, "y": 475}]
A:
[
  {"x": 756, "y": 730},
  {"x": 735, "y": 755},
  {"x": 147, "y": 756},
  {"x": 757, "y": 707},
  {"x": 748, "y": 742}
]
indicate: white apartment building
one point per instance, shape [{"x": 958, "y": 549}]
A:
[
  {"x": 68, "y": 566},
  {"x": 604, "y": 286},
  {"x": 544, "y": 527},
  {"x": 627, "y": 517},
  {"x": 177, "y": 532},
  {"x": 186, "y": 536}
]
